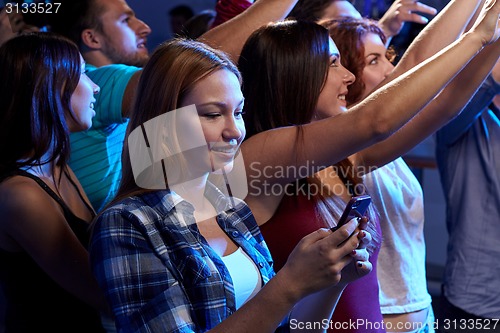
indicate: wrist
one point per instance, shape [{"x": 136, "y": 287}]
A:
[
  {"x": 286, "y": 287},
  {"x": 475, "y": 39}
]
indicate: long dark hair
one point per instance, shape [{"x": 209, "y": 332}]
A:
[
  {"x": 284, "y": 67},
  {"x": 40, "y": 72},
  {"x": 170, "y": 74},
  {"x": 310, "y": 10}
]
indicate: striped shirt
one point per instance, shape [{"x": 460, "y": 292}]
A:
[
  {"x": 96, "y": 153},
  {"x": 158, "y": 272}
]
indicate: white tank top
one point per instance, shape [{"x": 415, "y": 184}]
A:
[{"x": 245, "y": 275}]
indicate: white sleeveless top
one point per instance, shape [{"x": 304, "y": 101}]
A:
[
  {"x": 398, "y": 197},
  {"x": 245, "y": 275}
]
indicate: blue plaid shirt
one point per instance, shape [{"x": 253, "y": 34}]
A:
[{"x": 158, "y": 272}]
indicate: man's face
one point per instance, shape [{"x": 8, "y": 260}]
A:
[{"x": 123, "y": 35}]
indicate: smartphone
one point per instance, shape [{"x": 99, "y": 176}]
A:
[{"x": 356, "y": 207}]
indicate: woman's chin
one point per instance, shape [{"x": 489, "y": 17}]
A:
[{"x": 222, "y": 168}]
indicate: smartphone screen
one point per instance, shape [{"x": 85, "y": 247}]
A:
[{"x": 356, "y": 207}]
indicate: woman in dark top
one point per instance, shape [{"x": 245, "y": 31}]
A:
[{"x": 46, "y": 282}]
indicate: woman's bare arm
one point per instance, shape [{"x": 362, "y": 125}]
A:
[
  {"x": 442, "y": 109},
  {"x": 435, "y": 115},
  {"x": 283, "y": 155},
  {"x": 445, "y": 28},
  {"x": 328, "y": 141}
]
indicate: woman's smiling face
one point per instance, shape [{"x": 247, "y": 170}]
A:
[
  {"x": 331, "y": 100},
  {"x": 219, "y": 102}
]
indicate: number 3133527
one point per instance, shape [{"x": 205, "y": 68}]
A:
[{"x": 32, "y": 8}]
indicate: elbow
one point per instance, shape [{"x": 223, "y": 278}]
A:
[
  {"x": 375, "y": 124},
  {"x": 377, "y": 120},
  {"x": 382, "y": 128}
]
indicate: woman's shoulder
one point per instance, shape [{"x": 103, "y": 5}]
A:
[
  {"x": 141, "y": 206},
  {"x": 28, "y": 212},
  {"x": 24, "y": 196},
  {"x": 142, "y": 199}
]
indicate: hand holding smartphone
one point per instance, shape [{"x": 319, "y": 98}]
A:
[{"x": 356, "y": 207}]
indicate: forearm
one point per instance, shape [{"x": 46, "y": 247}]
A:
[
  {"x": 315, "y": 309},
  {"x": 265, "y": 310},
  {"x": 427, "y": 79},
  {"x": 231, "y": 35},
  {"x": 457, "y": 94},
  {"x": 445, "y": 28},
  {"x": 316, "y": 264},
  {"x": 442, "y": 109}
]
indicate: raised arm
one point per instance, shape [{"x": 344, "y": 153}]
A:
[
  {"x": 328, "y": 141},
  {"x": 231, "y": 35},
  {"x": 486, "y": 94},
  {"x": 445, "y": 28},
  {"x": 445, "y": 107}
]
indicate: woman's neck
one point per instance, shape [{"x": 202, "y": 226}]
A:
[
  {"x": 193, "y": 191},
  {"x": 42, "y": 170},
  {"x": 43, "y": 167}
]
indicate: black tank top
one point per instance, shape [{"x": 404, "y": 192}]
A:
[{"x": 30, "y": 301}]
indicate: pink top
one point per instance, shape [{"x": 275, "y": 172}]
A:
[
  {"x": 227, "y": 9},
  {"x": 358, "y": 309}
]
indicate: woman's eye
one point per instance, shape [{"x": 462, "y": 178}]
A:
[
  {"x": 239, "y": 114},
  {"x": 334, "y": 63},
  {"x": 374, "y": 61},
  {"x": 211, "y": 115}
]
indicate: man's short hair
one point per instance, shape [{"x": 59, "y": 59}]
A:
[
  {"x": 74, "y": 16},
  {"x": 182, "y": 10}
]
